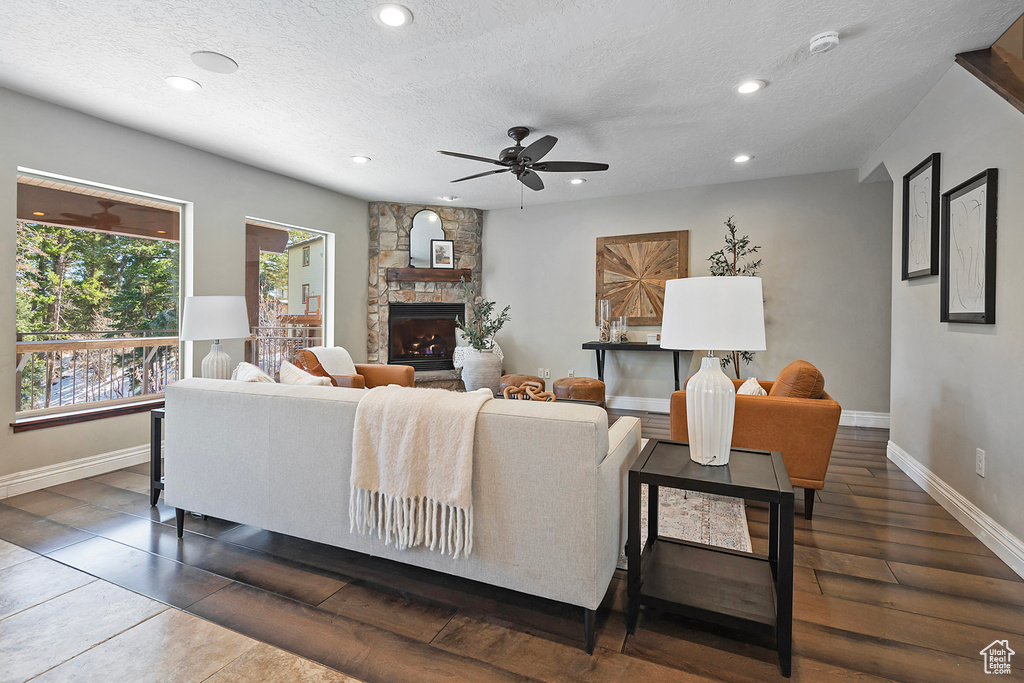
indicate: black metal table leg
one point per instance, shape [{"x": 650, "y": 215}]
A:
[
  {"x": 600, "y": 353},
  {"x": 784, "y": 585},
  {"x": 633, "y": 552}
]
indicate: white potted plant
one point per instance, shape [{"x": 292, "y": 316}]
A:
[{"x": 481, "y": 367}]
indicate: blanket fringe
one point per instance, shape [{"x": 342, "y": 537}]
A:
[{"x": 412, "y": 521}]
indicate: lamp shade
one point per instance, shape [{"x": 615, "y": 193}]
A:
[
  {"x": 214, "y": 317},
  {"x": 713, "y": 314}
]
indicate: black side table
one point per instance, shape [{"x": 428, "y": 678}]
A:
[
  {"x": 156, "y": 476},
  {"x": 741, "y": 591}
]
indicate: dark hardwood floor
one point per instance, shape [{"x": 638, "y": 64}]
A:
[{"x": 888, "y": 587}]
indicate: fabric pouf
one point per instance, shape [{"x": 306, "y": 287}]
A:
[
  {"x": 579, "y": 389},
  {"x": 520, "y": 380}
]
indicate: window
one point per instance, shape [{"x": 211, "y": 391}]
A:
[
  {"x": 282, "y": 260},
  {"x": 97, "y": 291}
]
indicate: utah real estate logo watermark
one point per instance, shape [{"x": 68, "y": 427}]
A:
[{"x": 997, "y": 657}]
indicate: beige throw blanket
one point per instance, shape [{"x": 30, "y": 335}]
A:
[{"x": 412, "y": 467}]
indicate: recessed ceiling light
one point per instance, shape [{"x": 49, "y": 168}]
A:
[
  {"x": 449, "y": 198},
  {"x": 577, "y": 181},
  {"x": 215, "y": 62},
  {"x": 38, "y": 213},
  {"x": 182, "y": 83},
  {"x": 392, "y": 15},
  {"x": 747, "y": 87},
  {"x": 742, "y": 158},
  {"x": 359, "y": 159}
]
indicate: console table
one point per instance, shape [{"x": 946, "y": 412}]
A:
[
  {"x": 601, "y": 348},
  {"x": 737, "y": 590}
]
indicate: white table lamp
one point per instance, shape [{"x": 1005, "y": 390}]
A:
[
  {"x": 713, "y": 313},
  {"x": 215, "y": 317}
]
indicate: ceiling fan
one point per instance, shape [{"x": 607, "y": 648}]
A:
[
  {"x": 101, "y": 220},
  {"x": 525, "y": 162}
]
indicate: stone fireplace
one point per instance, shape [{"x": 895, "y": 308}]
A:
[{"x": 389, "y": 226}]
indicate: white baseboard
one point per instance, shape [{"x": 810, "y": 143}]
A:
[
  {"x": 1005, "y": 545},
  {"x": 650, "y": 405},
  {"x": 863, "y": 418},
  {"x": 51, "y": 475}
]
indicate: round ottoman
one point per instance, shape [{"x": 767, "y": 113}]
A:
[
  {"x": 520, "y": 380},
  {"x": 579, "y": 389}
]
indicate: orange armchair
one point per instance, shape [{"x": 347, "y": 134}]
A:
[
  {"x": 802, "y": 429},
  {"x": 368, "y": 376}
]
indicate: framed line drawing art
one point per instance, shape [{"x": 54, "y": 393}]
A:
[
  {"x": 968, "y": 275},
  {"x": 921, "y": 219},
  {"x": 442, "y": 254}
]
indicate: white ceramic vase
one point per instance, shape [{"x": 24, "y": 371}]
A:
[
  {"x": 710, "y": 409},
  {"x": 482, "y": 369}
]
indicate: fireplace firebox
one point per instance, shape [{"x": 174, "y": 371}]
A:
[{"x": 423, "y": 335}]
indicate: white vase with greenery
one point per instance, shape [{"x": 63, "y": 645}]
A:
[{"x": 481, "y": 367}]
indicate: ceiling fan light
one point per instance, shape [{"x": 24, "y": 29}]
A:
[
  {"x": 392, "y": 15},
  {"x": 748, "y": 87},
  {"x": 183, "y": 84}
]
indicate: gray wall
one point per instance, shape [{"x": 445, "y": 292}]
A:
[
  {"x": 42, "y": 136},
  {"x": 826, "y": 252},
  {"x": 957, "y": 387}
]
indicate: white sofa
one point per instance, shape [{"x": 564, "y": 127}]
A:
[{"x": 549, "y": 481}]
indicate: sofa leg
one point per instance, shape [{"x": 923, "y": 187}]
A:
[
  {"x": 589, "y": 617},
  {"x": 179, "y": 518},
  {"x": 808, "y": 503}
]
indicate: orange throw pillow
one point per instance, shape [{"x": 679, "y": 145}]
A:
[{"x": 799, "y": 379}]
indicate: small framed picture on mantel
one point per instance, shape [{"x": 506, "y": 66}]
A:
[
  {"x": 442, "y": 254},
  {"x": 968, "y": 274},
  {"x": 921, "y": 219}
]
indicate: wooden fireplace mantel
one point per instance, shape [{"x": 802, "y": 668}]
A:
[{"x": 428, "y": 274}]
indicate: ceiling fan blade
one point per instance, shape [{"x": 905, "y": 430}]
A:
[
  {"x": 481, "y": 175},
  {"x": 531, "y": 180},
  {"x": 569, "y": 166},
  {"x": 470, "y": 156},
  {"x": 536, "y": 151}
]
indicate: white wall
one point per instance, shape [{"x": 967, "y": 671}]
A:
[
  {"x": 38, "y": 135},
  {"x": 826, "y": 247},
  {"x": 957, "y": 387}
]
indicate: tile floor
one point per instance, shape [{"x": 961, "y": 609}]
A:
[{"x": 61, "y": 624}]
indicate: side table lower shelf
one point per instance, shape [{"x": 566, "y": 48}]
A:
[{"x": 740, "y": 587}]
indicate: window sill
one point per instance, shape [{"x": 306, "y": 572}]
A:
[{"x": 28, "y": 424}]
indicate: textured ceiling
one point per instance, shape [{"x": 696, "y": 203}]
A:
[{"x": 643, "y": 86}]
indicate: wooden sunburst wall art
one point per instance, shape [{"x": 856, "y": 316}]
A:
[{"x": 632, "y": 270}]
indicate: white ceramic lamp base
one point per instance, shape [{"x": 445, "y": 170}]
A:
[
  {"x": 217, "y": 364},
  {"x": 710, "y": 409}
]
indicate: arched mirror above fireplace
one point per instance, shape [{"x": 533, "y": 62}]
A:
[{"x": 426, "y": 226}]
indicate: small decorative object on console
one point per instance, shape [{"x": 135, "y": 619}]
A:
[
  {"x": 623, "y": 336},
  {"x": 604, "y": 321},
  {"x": 654, "y": 338}
]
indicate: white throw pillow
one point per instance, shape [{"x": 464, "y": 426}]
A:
[
  {"x": 247, "y": 372},
  {"x": 335, "y": 360},
  {"x": 293, "y": 374},
  {"x": 751, "y": 388}
]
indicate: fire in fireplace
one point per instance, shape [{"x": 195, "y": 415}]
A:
[{"x": 423, "y": 335}]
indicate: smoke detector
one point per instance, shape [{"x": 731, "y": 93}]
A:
[{"x": 823, "y": 42}]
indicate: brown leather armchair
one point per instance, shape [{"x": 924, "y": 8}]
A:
[
  {"x": 802, "y": 429},
  {"x": 369, "y": 375}
]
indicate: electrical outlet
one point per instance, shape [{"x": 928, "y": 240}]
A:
[
  {"x": 547, "y": 373},
  {"x": 572, "y": 373},
  {"x": 979, "y": 466}
]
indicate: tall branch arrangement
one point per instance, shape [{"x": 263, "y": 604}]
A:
[
  {"x": 735, "y": 259},
  {"x": 483, "y": 322}
]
